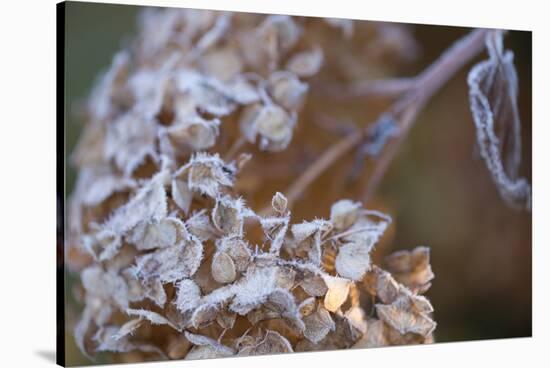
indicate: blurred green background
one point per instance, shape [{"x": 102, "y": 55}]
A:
[{"x": 438, "y": 189}]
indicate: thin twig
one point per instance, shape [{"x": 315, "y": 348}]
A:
[
  {"x": 405, "y": 110},
  {"x": 429, "y": 82}
]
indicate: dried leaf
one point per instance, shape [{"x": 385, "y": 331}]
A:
[{"x": 493, "y": 101}]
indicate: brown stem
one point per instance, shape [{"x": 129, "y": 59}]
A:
[
  {"x": 405, "y": 109},
  {"x": 428, "y": 83}
]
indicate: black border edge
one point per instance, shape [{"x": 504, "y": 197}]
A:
[{"x": 60, "y": 182}]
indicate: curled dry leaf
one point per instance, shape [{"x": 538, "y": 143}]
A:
[{"x": 493, "y": 101}]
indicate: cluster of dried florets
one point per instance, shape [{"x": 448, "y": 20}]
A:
[{"x": 172, "y": 268}]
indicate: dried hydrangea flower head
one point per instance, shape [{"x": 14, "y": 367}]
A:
[{"x": 168, "y": 267}]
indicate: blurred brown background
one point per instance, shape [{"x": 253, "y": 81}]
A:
[{"x": 437, "y": 189}]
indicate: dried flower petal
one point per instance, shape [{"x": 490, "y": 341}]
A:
[
  {"x": 412, "y": 268},
  {"x": 171, "y": 264},
  {"x": 279, "y": 203},
  {"x": 181, "y": 194},
  {"x": 188, "y": 295},
  {"x": 129, "y": 140},
  {"x": 344, "y": 213},
  {"x": 195, "y": 132},
  {"x": 401, "y": 316},
  {"x": 253, "y": 289},
  {"x": 272, "y": 343},
  {"x": 271, "y": 123},
  {"x": 207, "y": 173},
  {"x": 228, "y": 215},
  {"x": 306, "y": 63},
  {"x": 152, "y": 317},
  {"x": 352, "y": 261},
  {"x": 223, "y": 268},
  {"x": 206, "y": 347},
  {"x": 338, "y": 289},
  {"x": 163, "y": 233},
  {"x": 238, "y": 250},
  {"x": 287, "y": 90},
  {"x": 318, "y": 325}
]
